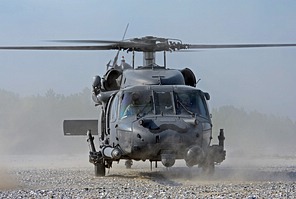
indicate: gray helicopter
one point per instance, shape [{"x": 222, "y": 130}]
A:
[{"x": 148, "y": 112}]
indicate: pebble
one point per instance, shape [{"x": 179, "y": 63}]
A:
[{"x": 70, "y": 183}]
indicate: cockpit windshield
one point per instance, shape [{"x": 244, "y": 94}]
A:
[
  {"x": 136, "y": 103},
  {"x": 178, "y": 102},
  {"x": 163, "y": 103}
]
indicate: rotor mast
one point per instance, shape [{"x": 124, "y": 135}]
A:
[{"x": 149, "y": 58}]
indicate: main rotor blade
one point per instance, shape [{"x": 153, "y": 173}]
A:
[
  {"x": 124, "y": 44},
  {"x": 109, "y": 47},
  {"x": 116, "y": 46},
  {"x": 140, "y": 45},
  {"x": 86, "y": 41},
  {"x": 206, "y": 46}
]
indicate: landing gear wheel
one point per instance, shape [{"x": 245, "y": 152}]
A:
[
  {"x": 128, "y": 164},
  {"x": 100, "y": 169}
]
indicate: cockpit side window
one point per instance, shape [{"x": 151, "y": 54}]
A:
[
  {"x": 201, "y": 106},
  {"x": 114, "y": 108},
  {"x": 191, "y": 102}
]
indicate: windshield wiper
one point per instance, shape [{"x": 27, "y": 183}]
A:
[
  {"x": 141, "y": 112},
  {"x": 184, "y": 107}
]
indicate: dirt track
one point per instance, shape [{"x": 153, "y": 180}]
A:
[{"x": 72, "y": 177}]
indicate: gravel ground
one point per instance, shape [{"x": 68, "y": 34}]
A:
[{"x": 40, "y": 178}]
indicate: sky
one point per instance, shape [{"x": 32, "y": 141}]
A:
[{"x": 252, "y": 79}]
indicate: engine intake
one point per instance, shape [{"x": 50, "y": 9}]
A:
[
  {"x": 189, "y": 77},
  {"x": 112, "y": 80}
]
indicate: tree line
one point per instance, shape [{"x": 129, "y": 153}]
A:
[
  {"x": 34, "y": 124},
  {"x": 255, "y": 133}
]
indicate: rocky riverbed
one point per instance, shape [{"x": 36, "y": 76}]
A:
[{"x": 72, "y": 177}]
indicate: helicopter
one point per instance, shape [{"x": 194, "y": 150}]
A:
[{"x": 148, "y": 112}]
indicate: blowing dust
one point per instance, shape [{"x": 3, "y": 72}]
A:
[{"x": 7, "y": 180}]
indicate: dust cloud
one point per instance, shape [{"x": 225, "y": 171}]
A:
[
  {"x": 7, "y": 180},
  {"x": 254, "y": 134},
  {"x": 33, "y": 125},
  {"x": 31, "y": 131},
  {"x": 233, "y": 170}
]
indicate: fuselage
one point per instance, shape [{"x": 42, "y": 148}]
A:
[{"x": 165, "y": 119}]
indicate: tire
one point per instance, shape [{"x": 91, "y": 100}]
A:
[{"x": 100, "y": 169}]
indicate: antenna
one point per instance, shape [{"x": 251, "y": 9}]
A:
[
  {"x": 164, "y": 59},
  {"x": 116, "y": 57},
  {"x": 125, "y": 31}
]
